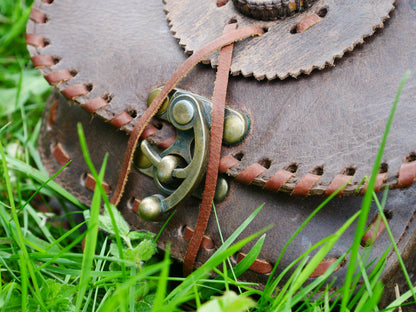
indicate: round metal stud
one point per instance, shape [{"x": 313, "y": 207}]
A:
[
  {"x": 183, "y": 112},
  {"x": 150, "y": 208},
  {"x": 221, "y": 190},
  {"x": 152, "y": 96},
  {"x": 165, "y": 168},
  {"x": 235, "y": 129}
]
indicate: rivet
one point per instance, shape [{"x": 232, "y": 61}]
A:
[
  {"x": 150, "y": 208},
  {"x": 152, "y": 96},
  {"x": 183, "y": 112},
  {"x": 221, "y": 190},
  {"x": 234, "y": 129}
]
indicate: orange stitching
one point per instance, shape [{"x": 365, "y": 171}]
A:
[
  {"x": 94, "y": 105},
  {"x": 90, "y": 184},
  {"x": 376, "y": 228},
  {"x": 304, "y": 186},
  {"x": 149, "y": 131},
  {"x": 250, "y": 173},
  {"x": 381, "y": 178},
  {"x": 121, "y": 120},
  {"x": 227, "y": 162},
  {"x": 58, "y": 76},
  {"x": 61, "y": 155},
  {"x": 74, "y": 91},
  {"x": 407, "y": 174},
  {"x": 43, "y": 61},
  {"x": 258, "y": 266},
  {"x": 167, "y": 143},
  {"x": 35, "y": 40},
  {"x": 324, "y": 266},
  {"x": 278, "y": 180},
  {"x": 337, "y": 183},
  {"x": 307, "y": 22},
  {"x": 135, "y": 207},
  {"x": 207, "y": 242},
  {"x": 37, "y": 16},
  {"x": 52, "y": 113}
]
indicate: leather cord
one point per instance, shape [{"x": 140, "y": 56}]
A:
[
  {"x": 182, "y": 70},
  {"x": 217, "y": 128}
]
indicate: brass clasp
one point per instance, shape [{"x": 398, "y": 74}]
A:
[{"x": 178, "y": 170}]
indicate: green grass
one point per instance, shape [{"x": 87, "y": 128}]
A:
[{"x": 43, "y": 267}]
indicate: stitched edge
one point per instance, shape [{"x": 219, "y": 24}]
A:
[
  {"x": 45, "y": 64},
  {"x": 286, "y": 181},
  {"x": 281, "y": 181}
]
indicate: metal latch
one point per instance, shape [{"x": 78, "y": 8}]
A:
[{"x": 178, "y": 170}]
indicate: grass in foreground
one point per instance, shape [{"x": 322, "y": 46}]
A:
[{"x": 43, "y": 268}]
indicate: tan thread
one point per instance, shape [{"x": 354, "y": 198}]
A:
[
  {"x": 285, "y": 181},
  {"x": 35, "y": 40},
  {"x": 207, "y": 242},
  {"x": 258, "y": 266},
  {"x": 121, "y": 119},
  {"x": 93, "y": 105},
  {"x": 61, "y": 155},
  {"x": 58, "y": 76},
  {"x": 324, "y": 266},
  {"x": 73, "y": 92},
  {"x": 90, "y": 184},
  {"x": 40, "y": 61},
  {"x": 37, "y": 16}
]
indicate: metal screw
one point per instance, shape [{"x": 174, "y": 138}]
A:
[
  {"x": 235, "y": 129},
  {"x": 183, "y": 112},
  {"x": 150, "y": 208},
  {"x": 221, "y": 190}
]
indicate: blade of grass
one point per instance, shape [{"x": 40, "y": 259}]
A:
[
  {"x": 108, "y": 206},
  {"x": 239, "y": 269},
  {"x": 19, "y": 234},
  {"x": 184, "y": 290},
  {"x": 367, "y": 201},
  {"x": 24, "y": 278},
  {"x": 272, "y": 285},
  {"x": 220, "y": 250},
  {"x": 162, "y": 284},
  {"x": 318, "y": 257},
  {"x": 393, "y": 241},
  {"x": 35, "y": 174},
  {"x": 90, "y": 240}
]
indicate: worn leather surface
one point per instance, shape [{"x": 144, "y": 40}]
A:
[
  {"x": 286, "y": 213},
  {"x": 286, "y": 49},
  {"x": 332, "y": 118}
]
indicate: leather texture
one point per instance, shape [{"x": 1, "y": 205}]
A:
[
  {"x": 334, "y": 27},
  {"x": 331, "y": 120},
  {"x": 285, "y": 212},
  {"x": 307, "y": 135}
]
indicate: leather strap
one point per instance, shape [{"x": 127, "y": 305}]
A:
[
  {"x": 217, "y": 128},
  {"x": 182, "y": 70}
]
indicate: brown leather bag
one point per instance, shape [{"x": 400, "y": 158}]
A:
[{"x": 307, "y": 105}]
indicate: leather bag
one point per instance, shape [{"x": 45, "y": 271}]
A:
[{"x": 306, "y": 107}]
